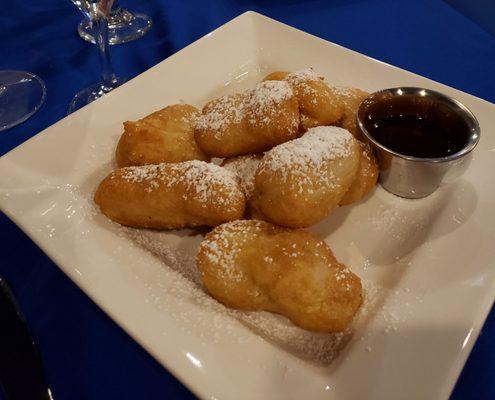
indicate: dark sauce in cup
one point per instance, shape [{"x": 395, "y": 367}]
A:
[{"x": 417, "y": 126}]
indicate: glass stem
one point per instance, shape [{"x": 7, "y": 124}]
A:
[{"x": 100, "y": 29}]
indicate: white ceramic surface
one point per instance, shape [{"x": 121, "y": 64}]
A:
[{"x": 433, "y": 259}]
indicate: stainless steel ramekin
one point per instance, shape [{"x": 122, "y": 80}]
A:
[{"x": 416, "y": 177}]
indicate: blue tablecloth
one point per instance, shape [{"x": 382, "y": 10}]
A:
[{"x": 86, "y": 355}]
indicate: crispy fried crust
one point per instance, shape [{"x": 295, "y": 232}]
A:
[
  {"x": 366, "y": 177},
  {"x": 351, "y": 99},
  {"x": 276, "y": 76},
  {"x": 171, "y": 196},
  {"x": 318, "y": 104},
  {"x": 164, "y": 136},
  {"x": 253, "y": 265}
]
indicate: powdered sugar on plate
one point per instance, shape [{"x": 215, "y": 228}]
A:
[{"x": 317, "y": 348}]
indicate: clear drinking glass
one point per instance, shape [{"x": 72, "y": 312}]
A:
[
  {"x": 97, "y": 11},
  {"x": 21, "y": 95},
  {"x": 123, "y": 26}
]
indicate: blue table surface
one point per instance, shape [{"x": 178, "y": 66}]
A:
[{"x": 86, "y": 355}]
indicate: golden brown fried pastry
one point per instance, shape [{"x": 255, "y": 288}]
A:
[
  {"x": 300, "y": 182},
  {"x": 350, "y": 98},
  {"x": 366, "y": 176},
  {"x": 318, "y": 104},
  {"x": 248, "y": 122},
  {"x": 171, "y": 196},
  {"x": 276, "y": 76},
  {"x": 164, "y": 136},
  {"x": 253, "y": 265}
]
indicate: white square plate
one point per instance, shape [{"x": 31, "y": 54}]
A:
[{"x": 431, "y": 260}]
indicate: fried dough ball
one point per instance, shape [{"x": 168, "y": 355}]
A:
[
  {"x": 318, "y": 104},
  {"x": 253, "y": 265},
  {"x": 171, "y": 196},
  {"x": 350, "y": 98},
  {"x": 365, "y": 179},
  {"x": 300, "y": 182},
  {"x": 166, "y": 135},
  {"x": 248, "y": 122}
]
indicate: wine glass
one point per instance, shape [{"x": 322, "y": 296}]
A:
[
  {"x": 123, "y": 26},
  {"x": 21, "y": 95},
  {"x": 97, "y": 12}
]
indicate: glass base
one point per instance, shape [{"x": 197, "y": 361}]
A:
[
  {"x": 91, "y": 93},
  {"x": 21, "y": 95},
  {"x": 123, "y": 26}
]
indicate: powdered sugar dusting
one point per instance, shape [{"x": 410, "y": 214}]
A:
[
  {"x": 142, "y": 173},
  {"x": 302, "y": 82},
  {"x": 343, "y": 91},
  {"x": 201, "y": 177},
  {"x": 198, "y": 177},
  {"x": 221, "y": 239},
  {"x": 308, "y": 154},
  {"x": 318, "y": 145},
  {"x": 319, "y": 348},
  {"x": 263, "y": 103},
  {"x": 253, "y": 105},
  {"x": 303, "y": 75},
  {"x": 223, "y": 112},
  {"x": 158, "y": 244},
  {"x": 244, "y": 167},
  {"x": 268, "y": 94}
]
